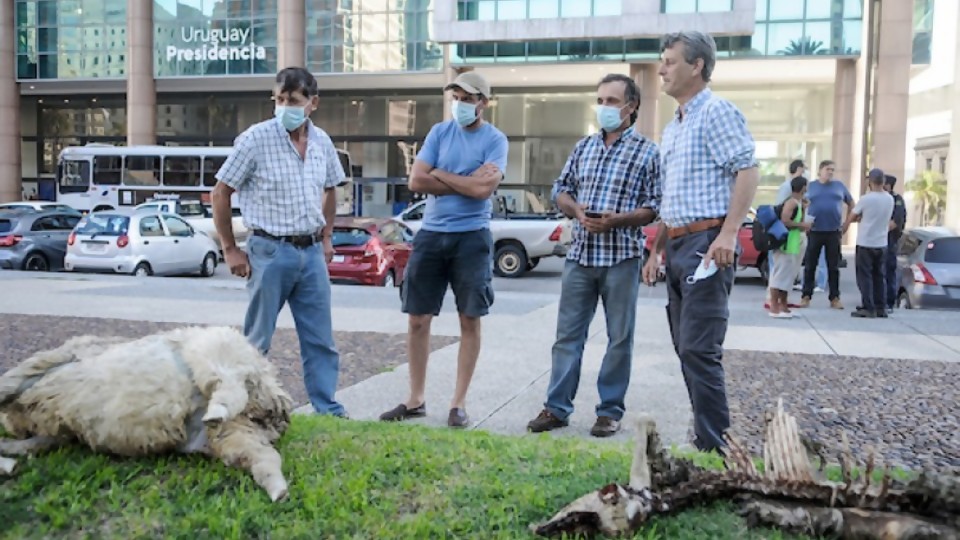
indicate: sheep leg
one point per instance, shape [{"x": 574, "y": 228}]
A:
[
  {"x": 227, "y": 400},
  {"x": 23, "y": 447},
  {"x": 15, "y": 381},
  {"x": 242, "y": 447}
]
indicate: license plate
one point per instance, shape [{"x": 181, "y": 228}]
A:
[{"x": 338, "y": 258}]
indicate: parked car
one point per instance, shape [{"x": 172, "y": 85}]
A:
[
  {"x": 200, "y": 216},
  {"x": 928, "y": 260},
  {"x": 139, "y": 243},
  {"x": 749, "y": 256},
  {"x": 370, "y": 251},
  {"x": 520, "y": 240},
  {"x": 35, "y": 240},
  {"x": 38, "y": 206}
]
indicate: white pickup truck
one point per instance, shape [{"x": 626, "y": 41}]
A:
[
  {"x": 199, "y": 215},
  {"x": 520, "y": 240}
]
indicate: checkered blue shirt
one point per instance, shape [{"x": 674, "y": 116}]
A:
[
  {"x": 278, "y": 192},
  {"x": 622, "y": 178},
  {"x": 700, "y": 157}
]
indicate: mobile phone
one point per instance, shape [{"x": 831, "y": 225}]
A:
[{"x": 593, "y": 215}]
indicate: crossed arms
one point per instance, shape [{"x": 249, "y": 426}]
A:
[{"x": 430, "y": 180}]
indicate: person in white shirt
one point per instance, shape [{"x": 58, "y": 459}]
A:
[{"x": 873, "y": 211}]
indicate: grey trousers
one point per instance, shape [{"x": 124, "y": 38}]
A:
[{"x": 698, "y": 313}]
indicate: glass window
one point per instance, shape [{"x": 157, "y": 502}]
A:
[
  {"x": 141, "y": 171},
  {"x": 544, "y": 9},
  {"x": 679, "y": 6},
  {"x": 104, "y": 225},
  {"x": 852, "y": 8},
  {"x": 785, "y": 38},
  {"x": 761, "y": 10},
  {"x": 574, "y": 8},
  {"x": 211, "y": 164},
  {"x": 177, "y": 226},
  {"x": 606, "y": 8},
  {"x": 75, "y": 176},
  {"x": 714, "y": 6},
  {"x": 107, "y": 170},
  {"x": 181, "y": 171},
  {"x": 150, "y": 226},
  {"x": 819, "y": 9},
  {"x": 852, "y": 37},
  {"x": 818, "y": 38},
  {"x": 784, "y": 11},
  {"x": 943, "y": 250}
]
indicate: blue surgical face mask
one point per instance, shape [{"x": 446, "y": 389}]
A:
[
  {"x": 609, "y": 117},
  {"x": 290, "y": 117},
  {"x": 464, "y": 113}
]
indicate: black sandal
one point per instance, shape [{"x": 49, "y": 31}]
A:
[{"x": 401, "y": 412}]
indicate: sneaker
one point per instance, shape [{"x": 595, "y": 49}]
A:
[
  {"x": 546, "y": 421},
  {"x": 605, "y": 427},
  {"x": 458, "y": 418},
  {"x": 863, "y": 314},
  {"x": 818, "y": 289},
  {"x": 804, "y": 302},
  {"x": 781, "y": 315},
  {"x": 402, "y": 412},
  {"x": 835, "y": 304}
]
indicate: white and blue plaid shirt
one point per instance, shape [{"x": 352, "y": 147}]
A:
[
  {"x": 701, "y": 153},
  {"x": 622, "y": 178},
  {"x": 279, "y": 192}
]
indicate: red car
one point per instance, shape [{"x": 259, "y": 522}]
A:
[
  {"x": 370, "y": 251},
  {"x": 749, "y": 256}
]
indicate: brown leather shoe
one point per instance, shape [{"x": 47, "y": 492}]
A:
[
  {"x": 546, "y": 421},
  {"x": 804, "y": 302},
  {"x": 402, "y": 412},
  {"x": 605, "y": 427},
  {"x": 835, "y": 304},
  {"x": 458, "y": 418}
]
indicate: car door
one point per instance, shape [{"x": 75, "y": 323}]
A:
[
  {"x": 50, "y": 236},
  {"x": 155, "y": 245},
  {"x": 189, "y": 252},
  {"x": 402, "y": 254}
]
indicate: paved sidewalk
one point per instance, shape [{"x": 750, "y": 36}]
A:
[{"x": 513, "y": 371}]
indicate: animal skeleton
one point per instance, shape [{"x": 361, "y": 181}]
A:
[
  {"x": 189, "y": 390},
  {"x": 788, "y": 494}
]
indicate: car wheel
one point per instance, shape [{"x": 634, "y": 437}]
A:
[
  {"x": 388, "y": 280},
  {"x": 510, "y": 261},
  {"x": 903, "y": 301},
  {"x": 209, "y": 265},
  {"x": 142, "y": 270},
  {"x": 36, "y": 262}
]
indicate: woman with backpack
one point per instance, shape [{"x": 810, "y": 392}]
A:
[{"x": 787, "y": 259}]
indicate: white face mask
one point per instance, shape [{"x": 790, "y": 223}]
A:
[{"x": 702, "y": 272}]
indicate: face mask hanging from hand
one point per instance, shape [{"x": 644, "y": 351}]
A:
[
  {"x": 464, "y": 113},
  {"x": 702, "y": 272},
  {"x": 609, "y": 117},
  {"x": 290, "y": 117}
]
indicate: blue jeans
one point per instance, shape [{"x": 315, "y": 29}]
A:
[
  {"x": 281, "y": 273},
  {"x": 821, "y": 278},
  {"x": 581, "y": 288}
]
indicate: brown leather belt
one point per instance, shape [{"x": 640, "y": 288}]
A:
[{"x": 695, "y": 227}]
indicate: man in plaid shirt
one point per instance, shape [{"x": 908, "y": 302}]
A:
[
  {"x": 611, "y": 186},
  {"x": 284, "y": 171},
  {"x": 709, "y": 179}
]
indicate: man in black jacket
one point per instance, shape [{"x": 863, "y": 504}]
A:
[{"x": 897, "y": 223}]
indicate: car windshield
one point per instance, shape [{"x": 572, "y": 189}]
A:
[
  {"x": 944, "y": 250},
  {"x": 193, "y": 209},
  {"x": 104, "y": 224},
  {"x": 350, "y": 237}
]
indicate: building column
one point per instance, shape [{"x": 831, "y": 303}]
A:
[
  {"x": 11, "y": 187},
  {"x": 291, "y": 33},
  {"x": 952, "y": 213},
  {"x": 141, "y": 87},
  {"x": 895, "y": 45},
  {"x": 845, "y": 101},
  {"x": 647, "y": 78}
]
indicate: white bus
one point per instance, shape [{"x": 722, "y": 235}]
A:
[{"x": 106, "y": 177}]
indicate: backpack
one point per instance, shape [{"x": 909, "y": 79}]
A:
[{"x": 769, "y": 232}]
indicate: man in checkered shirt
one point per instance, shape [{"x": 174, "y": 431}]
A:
[
  {"x": 611, "y": 186},
  {"x": 709, "y": 179},
  {"x": 284, "y": 171}
]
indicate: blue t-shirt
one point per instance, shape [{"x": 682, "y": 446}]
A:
[
  {"x": 825, "y": 204},
  {"x": 459, "y": 151}
]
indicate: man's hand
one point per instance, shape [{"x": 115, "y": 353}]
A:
[
  {"x": 651, "y": 269},
  {"x": 328, "y": 249},
  {"x": 599, "y": 225},
  {"x": 722, "y": 250},
  {"x": 237, "y": 261},
  {"x": 487, "y": 170}
]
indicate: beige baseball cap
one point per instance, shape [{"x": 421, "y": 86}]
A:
[{"x": 472, "y": 83}]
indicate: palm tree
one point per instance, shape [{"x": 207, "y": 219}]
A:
[
  {"x": 929, "y": 189},
  {"x": 801, "y": 47}
]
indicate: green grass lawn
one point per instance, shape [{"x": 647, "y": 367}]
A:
[{"x": 347, "y": 479}]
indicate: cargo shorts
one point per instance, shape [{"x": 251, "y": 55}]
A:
[{"x": 461, "y": 260}]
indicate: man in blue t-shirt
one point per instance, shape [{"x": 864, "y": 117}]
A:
[
  {"x": 459, "y": 167},
  {"x": 827, "y": 196}
]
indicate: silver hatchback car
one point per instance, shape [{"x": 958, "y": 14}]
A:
[
  {"x": 139, "y": 243},
  {"x": 929, "y": 268}
]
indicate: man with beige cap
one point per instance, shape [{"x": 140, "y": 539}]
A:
[{"x": 459, "y": 166}]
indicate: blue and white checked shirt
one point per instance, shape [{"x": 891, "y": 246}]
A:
[
  {"x": 279, "y": 192},
  {"x": 622, "y": 178},
  {"x": 700, "y": 157}
]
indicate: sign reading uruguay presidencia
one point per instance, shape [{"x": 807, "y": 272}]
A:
[{"x": 215, "y": 44}]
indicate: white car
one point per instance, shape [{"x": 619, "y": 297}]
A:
[
  {"x": 39, "y": 206},
  {"x": 139, "y": 243}
]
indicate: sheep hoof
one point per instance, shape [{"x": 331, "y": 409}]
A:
[
  {"x": 277, "y": 489},
  {"x": 7, "y": 465},
  {"x": 216, "y": 413}
]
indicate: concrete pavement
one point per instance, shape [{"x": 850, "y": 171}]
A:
[{"x": 514, "y": 368}]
